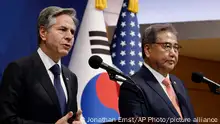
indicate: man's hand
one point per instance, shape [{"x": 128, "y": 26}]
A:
[
  {"x": 65, "y": 118},
  {"x": 78, "y": 116}
]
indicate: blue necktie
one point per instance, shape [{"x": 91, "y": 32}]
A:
[{"x": 57, "y": 85}]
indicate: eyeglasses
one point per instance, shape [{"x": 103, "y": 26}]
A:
[{"x": 168, "y": 46}]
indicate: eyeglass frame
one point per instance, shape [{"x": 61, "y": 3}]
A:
[{"x": 170, "y": 47}]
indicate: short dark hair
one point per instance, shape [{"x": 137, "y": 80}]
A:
[{"x": 149, "y": 35}]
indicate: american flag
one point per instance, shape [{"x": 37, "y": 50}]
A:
[{"x": 126, "y": 49}]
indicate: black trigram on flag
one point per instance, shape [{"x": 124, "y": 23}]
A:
[{"x": 99, "y": 42}]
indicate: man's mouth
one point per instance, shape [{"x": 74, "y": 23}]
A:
[
  {"x": 67, "y": 46},
  {"x": 171, "y": 61}
]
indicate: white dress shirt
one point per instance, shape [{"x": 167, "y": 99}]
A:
[
  {"x": 48, "y": 63},
  {"x": 159, "y": 78}
]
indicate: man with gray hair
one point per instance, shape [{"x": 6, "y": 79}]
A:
[
  {"x": 38, "y": 89},
  {"x": 164, "y": 95}
]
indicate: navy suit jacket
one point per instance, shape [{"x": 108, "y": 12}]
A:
[
  {"x": 27, "y": 95},
  {"x": 153, "y": 102}
]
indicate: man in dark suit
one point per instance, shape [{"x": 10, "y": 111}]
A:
[
  {"x": 162, "y": 94},
  {"x": 37, "y": 89}
]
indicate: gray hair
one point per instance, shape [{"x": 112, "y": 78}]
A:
[
  {"x": 47, "y": 17},
  {"x": 150, "y": 34}
]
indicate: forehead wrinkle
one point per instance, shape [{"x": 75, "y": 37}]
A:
[
  {"x": 168, "y": 35},
  {"x": 66, "y": 24}
]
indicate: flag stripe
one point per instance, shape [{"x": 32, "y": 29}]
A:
[
  {"x": 99, "y": 38},
  {"x": 100, "y": 51},
  {"x": 97, "y": 33},
  {"x": 99, "y": 42},
  {"x": 100, "y": 47}
]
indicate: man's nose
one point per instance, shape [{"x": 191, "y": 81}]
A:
[
  {"x": 173, "y": 52},
  {"x": 69, "y": 36}
]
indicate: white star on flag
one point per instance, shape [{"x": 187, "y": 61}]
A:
[
  {"x": 123, "y": 24},
  {"x": 124, "y": 5},
  {"x": 123, "y": 53},
  {"x": 122, "y": 62},
  {"x": 139, "y": 44},
  {"x": 131, "y": 72},
  {"x": 123, "y": 43},
  {"x": 132, "y": 14},
  {"x": 140, "y": 63},
  {"x": 132, "y": 62},
  {"x": 123, "y": 14},
  {"x": 132, "y": 24},
  {"x": 132, "y": 43},
  {"x": 139, "y": 35},
  {"x": 123, "y": 33},
  {"x": 132, "y": 53},
  {"x": 115, "y": 36},
  {"x": 140, "y": 54},
  {"x": 132, "y": 33},
  {"x": 114, "y": 45},
  {"x": 113, "y": 54}
]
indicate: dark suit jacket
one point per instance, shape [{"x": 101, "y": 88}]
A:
[
  {"x": 27, "y": 95},
  {"x": 154, "y": 102}
]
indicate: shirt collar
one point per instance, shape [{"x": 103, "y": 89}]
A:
[
  {"x": 48, "y": 62},
  {"x": 156, "y": 74}
]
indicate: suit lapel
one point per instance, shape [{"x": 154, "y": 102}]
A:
[
  {"x": 66, "y": 78},
  {"x": 45, "y": 80},
  {"x": 180, "y": 96},
  {"x": 175, "y": 86},
  {"x": 154, "y": 84}
]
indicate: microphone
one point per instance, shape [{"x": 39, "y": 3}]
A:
[
  {"x": 97, "y": 62},
  {"x": 199, "y": 77}
]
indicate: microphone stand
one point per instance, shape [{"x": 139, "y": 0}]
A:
[
  {"x": 214, "y": 88},
  {"x": 114, "y": 77}
]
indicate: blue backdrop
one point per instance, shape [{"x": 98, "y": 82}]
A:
[{"x": 18, "y": 31}]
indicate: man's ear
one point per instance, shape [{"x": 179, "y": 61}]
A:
[
  {"x": 42, "y": 32},
  {"x": 147, "y": 50}
]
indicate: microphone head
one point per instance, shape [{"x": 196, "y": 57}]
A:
[
  {"x": 197, "y": 77},
  {"x": 95, "y": 61}
]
